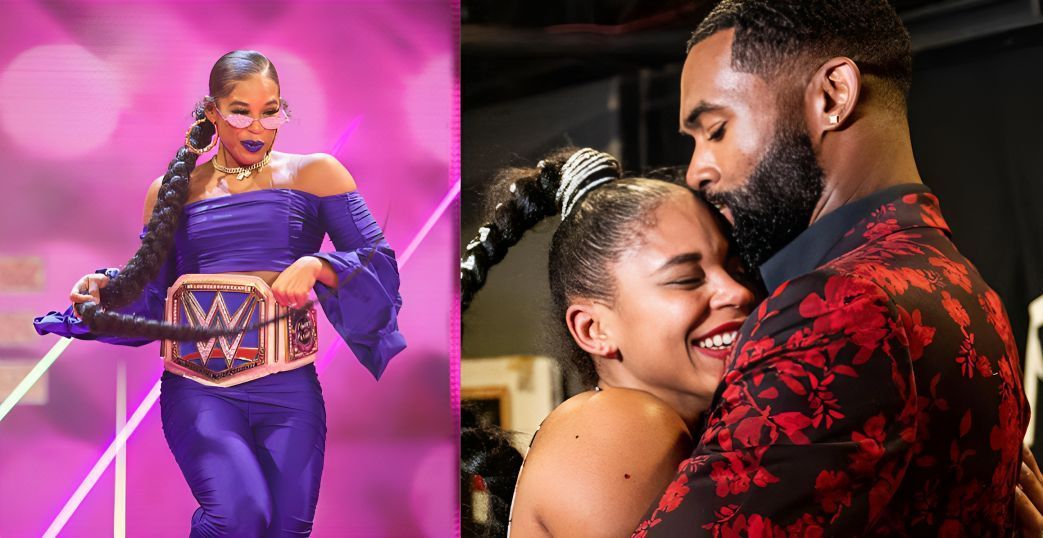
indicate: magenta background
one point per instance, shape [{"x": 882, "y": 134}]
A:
[{"x": 94, "y": 99}]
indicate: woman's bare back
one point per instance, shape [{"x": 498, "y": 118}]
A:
[{"x": 599, "y": 460}]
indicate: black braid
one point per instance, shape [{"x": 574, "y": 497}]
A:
[
  {"x": 159, "y": 236},
  {"x": 151, "y": 255},
  {"x": 531, "y": 201},
  {"x": 157, "y": 243},
  {"x": 487, "y": 453},
  {"x": 599, "y": 228},
  {"x": 116, "y": 324}
]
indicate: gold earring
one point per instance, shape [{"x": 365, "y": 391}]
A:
[
  {"x": 188, "y": 140},
  {"x": 834, "y": 119}
]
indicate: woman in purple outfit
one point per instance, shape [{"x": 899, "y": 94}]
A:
[{"x": 245, "y": 418}]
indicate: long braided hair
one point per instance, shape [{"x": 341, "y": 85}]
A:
[
  {"x": 158, "y": 240},
  {"x": 603, "y": 216},
  {"x": 600, "y": 224}
]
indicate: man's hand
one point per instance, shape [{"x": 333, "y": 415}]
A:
[{"x": 1029, "y": 495}]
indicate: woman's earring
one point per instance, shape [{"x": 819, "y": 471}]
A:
[
  {"x": 188, "y": 139},
  {"x": 834, "y": 119}
]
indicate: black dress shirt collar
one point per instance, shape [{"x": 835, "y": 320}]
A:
[{"x": 814, "y": 247}]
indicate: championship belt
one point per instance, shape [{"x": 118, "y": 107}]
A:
[{"x": 229, "y": 302}]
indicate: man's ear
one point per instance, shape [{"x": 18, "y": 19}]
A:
[
  {"x": 590, "y": 329},
  {"x": 832, "y": 95}
]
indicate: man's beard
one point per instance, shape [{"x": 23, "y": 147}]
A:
[{"x": 776, "y": 203}]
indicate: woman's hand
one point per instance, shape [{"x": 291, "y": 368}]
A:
[
  {"x": 293, "y": 285},
  {"x": 87, "y": 289},
  {"x": 1029, "y": 495}
]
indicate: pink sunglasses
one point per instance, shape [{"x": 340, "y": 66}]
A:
[{"x": 242, "y": 121}]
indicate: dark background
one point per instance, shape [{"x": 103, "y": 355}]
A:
[{"x": 539, "y": 74}]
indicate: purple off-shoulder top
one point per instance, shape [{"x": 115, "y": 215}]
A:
[{"x": 268, "y": 230}]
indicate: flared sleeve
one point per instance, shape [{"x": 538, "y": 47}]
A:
[
  {"x": 150, "y": 304},
  {"x": 364, "y": 306}
]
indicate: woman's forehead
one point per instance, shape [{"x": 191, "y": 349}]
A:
[
  {"x": 257, "y": 89},
  {"x": 684, "y": 221},
  {"x": 681, "y": 225}
]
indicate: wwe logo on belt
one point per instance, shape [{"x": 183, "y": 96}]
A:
[{"x": 218, "y": 307}]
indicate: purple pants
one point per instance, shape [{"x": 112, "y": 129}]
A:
[{"x": 252, "y": 454}]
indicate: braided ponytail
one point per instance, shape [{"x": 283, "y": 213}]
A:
[
  {"x": 528, "y": 198},
  {"x": 603, "y": 219},
  {"x": 159, "y": 236},
  {"x": 158, "y": 241},
  {"x": 151, "y": 255},
  {"x": 117, "y": 324},
  {"x": 155, "y": 245}
]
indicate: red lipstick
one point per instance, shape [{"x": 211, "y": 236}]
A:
[{"x": 723, "y": 351}]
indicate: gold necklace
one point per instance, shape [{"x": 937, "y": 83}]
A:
[{"x": 243, "y": 172}]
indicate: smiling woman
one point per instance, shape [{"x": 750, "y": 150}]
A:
[
  {"x": 231, "y": 247},
  {"x": 650, "y": 353}
]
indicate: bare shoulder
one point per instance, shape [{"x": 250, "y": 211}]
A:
[
  {"x": 615, "y": 409},
  {"x": 196, "y": 181},
  {"x": 601, "y": 459},
  {"x": 150, "y": 199},
  {"x": 322, "y": 175}
]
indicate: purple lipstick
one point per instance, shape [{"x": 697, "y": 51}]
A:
[{"x": 253, "y": 146}]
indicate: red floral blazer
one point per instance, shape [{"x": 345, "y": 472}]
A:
[{"x": 879, "y": 392}]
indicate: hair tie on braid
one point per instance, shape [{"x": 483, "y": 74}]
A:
[
  {"x": 527, "y": 197},
  {"x": 467, "y": 264},
  {"x": 483, "y": 235},
  {"x": 584, "y": 171}
]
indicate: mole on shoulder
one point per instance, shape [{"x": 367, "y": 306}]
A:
[
  {"x": 577, "y": 437},
  {"x": 626, "y": 476}
]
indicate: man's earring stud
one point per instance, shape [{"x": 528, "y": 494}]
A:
[{"x": 834, "y": 119}]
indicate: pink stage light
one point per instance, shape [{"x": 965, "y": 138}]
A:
[
  {"x": 346, "y": 135},
  {"x": 454, "y": 191},
  {"x": 103, "y": 463}
]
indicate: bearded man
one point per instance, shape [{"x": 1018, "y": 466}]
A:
[{"x": 877, "y": 390}]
